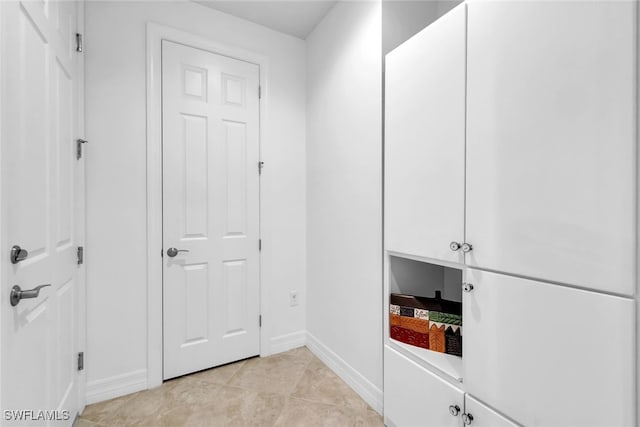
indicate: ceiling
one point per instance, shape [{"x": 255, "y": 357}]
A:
[{"x": 296, "y": 18}]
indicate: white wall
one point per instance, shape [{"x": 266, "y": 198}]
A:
[
  {"x": 116, "y": 263},
  {"x": 344, "y": 195}
]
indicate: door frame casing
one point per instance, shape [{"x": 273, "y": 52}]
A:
[
  {"x": 81, "y": 209},
  {"x": 156, "y": 33}
]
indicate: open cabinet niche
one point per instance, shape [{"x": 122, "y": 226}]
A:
[
  {"x": 407, "y": 276},
  {"x": 425, "y": 313}
]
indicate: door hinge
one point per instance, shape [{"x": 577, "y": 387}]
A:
[
  {"x": 260, "y": 320},
  {"x": 260, "y": 167},
  {"x": 259, "y": 92},
  {"x": 259, "y": 244},
  {"x": 79, "y": 143},
  {"x": 79, "y": 46},
  {"x": 81, "y": 361},
  {"x": 80, "y": 255}
]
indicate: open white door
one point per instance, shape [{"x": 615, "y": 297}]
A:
[
  {"x": 41, "y": 210},
  {"x": 210, "y": 209}
]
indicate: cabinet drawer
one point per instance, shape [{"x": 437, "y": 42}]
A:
[
  {"x": 413, "y": 396},
  {"x": 547, "y": 355}
]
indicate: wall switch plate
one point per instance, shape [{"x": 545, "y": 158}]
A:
[{"x": 293, "y": 298}]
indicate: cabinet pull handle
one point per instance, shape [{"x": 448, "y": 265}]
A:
[
  {"x": 454, "y": 410},
  {"x": 467, "y": 287},
  {"x": 467, "y": 247},
  {"x": 467, "y": 419},
  {"x": 455, "y": 246}
]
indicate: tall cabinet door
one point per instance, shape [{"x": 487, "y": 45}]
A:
[
  {"x": 551, "y": 142},
  {"x": 424, "y": 154},
  {"x": 548, "y": 355}
]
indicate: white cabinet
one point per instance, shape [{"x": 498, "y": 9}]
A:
[
  {"x": 479, "y": 415},
  {"x": 541, "y": 95},
  {"x": 547, "y": 355},
  {"x": 551, "y": 184},
  {"x": 425, "y": 130},
  {"x": 415, "y": 397},
  {"x": 511, "y": 126}
]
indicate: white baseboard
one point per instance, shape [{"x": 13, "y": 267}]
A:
[
  {"x": 116, "y": 386},
  {"x": 287, "y": 342},
  {"x": 365, "y": 388}
]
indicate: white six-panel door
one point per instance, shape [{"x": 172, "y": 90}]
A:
[
  {"x": 210, "y": 209},
  {"x": 39, "y": 212},
  {"x": 425, "y": 120}
]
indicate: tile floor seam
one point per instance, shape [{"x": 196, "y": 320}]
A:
[
  {"x": 280, "y": 412},
  {"x": 344, "y": 407},
  {"x": 293, "y": 389},
  {"x": 228, "y": 381},
  {"x": 320, "y": 402}
]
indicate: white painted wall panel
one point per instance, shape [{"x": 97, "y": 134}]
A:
[{"x": 344, "y": 183}]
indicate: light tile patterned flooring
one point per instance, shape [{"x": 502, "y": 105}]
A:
[{"x": 288, "y": 389}]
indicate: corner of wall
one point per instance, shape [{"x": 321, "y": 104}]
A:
[
  {"x": 369, "y": 392},
  {"x": 287, "y": 342}
]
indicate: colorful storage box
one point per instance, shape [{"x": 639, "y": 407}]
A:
[{"x": 431, "y": 323}]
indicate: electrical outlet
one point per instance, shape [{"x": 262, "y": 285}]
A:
[{"x": 293, "y": 298}]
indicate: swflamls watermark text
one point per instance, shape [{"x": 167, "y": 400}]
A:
[{"x": 36, "y": 415}]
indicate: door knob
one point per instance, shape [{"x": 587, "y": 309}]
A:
[
  {"x": 467, "y": 419},
  {"x": 466, "y": 247},
  {"x": 454, "y": 246},
  {"x": 174, "y": 251},
  {"x": 18, "y": 254},
  {"x": 18, "y": 294},
  {"x": 454, "y": 410}
]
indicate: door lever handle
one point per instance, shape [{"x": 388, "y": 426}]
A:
[
  {"x": 174, "y": 251},
  {"x": 18, "y": 294}
]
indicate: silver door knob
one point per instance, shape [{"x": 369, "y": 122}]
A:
[
  {"x": 466, "y": 247},
  {"x": 174, "y": 251},
  {"x": 454, "y": 246},
  {"x": 467, "y": 287},
  {"x": 17, "y": 294},
  {"x": 467, "y": 419},
  {"x": 18, "y": 254},
  {"x": 454, "y": 410}
]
